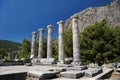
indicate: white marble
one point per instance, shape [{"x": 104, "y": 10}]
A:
[
  {"x": 33, "y": 45},
  {"x": 60, "y": 43},
  {"x": 40, "y": 49},
  {"x": 49, "y": 41},
  {"x": 76, "y": 43}
]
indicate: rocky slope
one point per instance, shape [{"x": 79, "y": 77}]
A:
[{"x": 110, "y": 12}]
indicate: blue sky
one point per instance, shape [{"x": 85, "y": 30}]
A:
[{"x": 19, "y": 18}]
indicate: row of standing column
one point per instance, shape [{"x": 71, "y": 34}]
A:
[
  {"x": 76, "y": 44},
  {"x": 41, "y": 39}
]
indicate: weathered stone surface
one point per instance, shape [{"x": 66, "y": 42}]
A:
[
  {"x": 68, "y": 60},
  {"x": 11, "y": 63},
  {"x": 115, "y": 76},
  {"x": 43, "y": 74},
  {"x": 18, "y": 69},
  {"x": 60, "y": 43},
  {"x": 72, "y": 74},
  {"x": 47, "y": 61},
  {"x": 77, "y": 68},
  {"x": 58, "y": 69},
  {"x": 105, "y": 74},
  {"x": 110, "y": 65},
  {"x": 76, "y": 43},
  {"x": 118, "y": 65},
  {"x": 93, "y": 72},
  {"x": 110, "y": 13},
  {"x": 40, "y": 49},
  {"x": 34, "y": 60},
  {"x": 33, "y": 45},
  {"x": 14, "y": 76},
  {"x": 49, "y": 41}
]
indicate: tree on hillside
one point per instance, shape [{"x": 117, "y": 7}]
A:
[
  {"x": 68, "y": 48},
  {"x": 3, "y": 53},
  {"x": 98, "y": 43},
  {"x": 68, "y": 43},
  {"x": 25, "y": 48},
  {"x": 117, "y": 44},
  {"x": 44, "y": 48}
]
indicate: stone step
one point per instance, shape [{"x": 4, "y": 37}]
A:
[
  {"x": 43, "y": 74},
  {"x": 77, "y": 68},
  {"x": 92, "y": 72},
  {"x": 72, "y": 74}
]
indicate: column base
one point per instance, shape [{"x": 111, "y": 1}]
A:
[
  {"x": 31, "y": 56},
  {"x": 76, "y": 63},
  {"x": 60, "y": 62}
]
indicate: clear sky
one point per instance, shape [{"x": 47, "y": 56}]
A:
[{"x": 19, "y": 18}]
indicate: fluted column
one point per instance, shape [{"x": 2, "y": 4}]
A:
[
  {"x": 76, "y": 43},
  {"x": 33, "y": 45},
  {"x": 60, "y": 43},
  {"x": 40, "y": 49},
  {"x": 49, "y": 41}
]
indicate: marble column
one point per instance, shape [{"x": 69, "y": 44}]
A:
[
  {"x": 60, "y": 43},
  {"x": 33, "y": 45},
  {"x": 76, "y": 43},
  {"x": 40, "y": 49},
  {"x": 10, "y": 56},
  {"x": 17, "y": 56},
  {"x": 49, "y": 41}
]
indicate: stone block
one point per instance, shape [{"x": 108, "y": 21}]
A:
[
  {"x": 14, "y": 76},
  {"x": 34, "y": 60},
  {"x": 47, "y": 61},
  {"x": 60, "y": 63},
  {"x": 83, "y": 67},
  {"x": 26, "y": 60},
  {"x": 76, "y": 63},
  {"x": 93, "y": 72},
  {"x": 110, "y": 65},
  {"x": 115, "y": 76},
  {"x": 11, "y": 63},
  {"x": 77, "y": 68},
  {"x": 62, "y": 69},
  {"x": 68, "y": 60},
  {"x": 118, "y": 65},
  {"x": 72, "y": 74},
  {"x": 43, "y": 74}
]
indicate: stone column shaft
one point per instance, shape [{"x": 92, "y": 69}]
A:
[
  {"x": 61, "y": 42},
  {"x": 41, "y": 39},
  {"x": 49, "y": 41},
  {"x": 76, "y": 43},
  {"x": 33, "y": 44}
]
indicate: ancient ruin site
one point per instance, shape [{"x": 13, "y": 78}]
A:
[{"x": 60, "y": 67}]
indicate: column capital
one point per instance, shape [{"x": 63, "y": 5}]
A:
[
  {"x": 33, "y": 32},
  {"x": 60, "y": 22},
  {"x": 50, "y": 26},
  {"x": 41, "y": 29}
]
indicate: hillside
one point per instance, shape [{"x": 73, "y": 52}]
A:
[
  {"x": 109, "y": 12},
  {"x": 10, "y": 46}
]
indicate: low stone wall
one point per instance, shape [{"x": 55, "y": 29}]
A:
[
  {"x": 14, "y": 76},
  {"x": 10, "y": 63}
]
